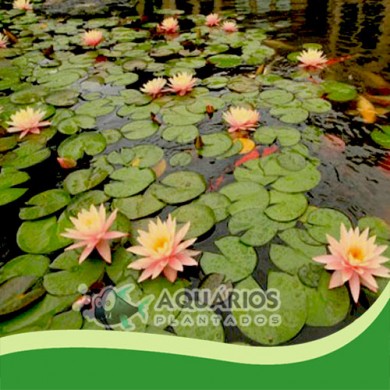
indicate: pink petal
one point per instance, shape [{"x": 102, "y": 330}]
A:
[
  {"x": 103, "y": 248},
  {"x": 336, "y": 280},
  {"x": 170, "y": 274},
  {"x": 112, "y": 235},
  {"x": 354, "y": 285},
  {"x": 86, "y": 252}
]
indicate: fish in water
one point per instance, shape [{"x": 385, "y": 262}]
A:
[{"x": 113, "y": 307}]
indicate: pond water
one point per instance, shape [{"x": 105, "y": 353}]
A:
[{"x": 331, "y": 138}]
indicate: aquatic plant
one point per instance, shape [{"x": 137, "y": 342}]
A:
[
  {"x": 169, "y": 26},
  {"x": 24, "y": 5},
  {"x": 181, "y": 83},
  {"x": 163, "y": 250},
  {"x": 212, "y": 20},
  {"x": 91, "y": 229},
  {"x": 92, "y": 38},
  {"x": 229, "y": 26},
  {"x": 154, "y": 87},
  {"x": 240, "y": 118},
  {"x": 27, "y": 120},
  {"x": 312, "y": 59},
  {"x": 355, "y": 259},
  {"x": 3, "y": 41}
]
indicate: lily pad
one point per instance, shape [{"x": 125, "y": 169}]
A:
[
  {"x": 286, "y": 207},
  {"x": 290, "y": 115},
  {"x": 215, "y": 144},
  {"x": 225, "y": 60},
  {"x": 84, "y": 180},
  {"x": 326, "y": 307},
  {"x": 180, "y": 134},
  {"x": 339, "y": 92},
  {"x": 180, "y": 187},
  {"x": 128, "y": 181},
  {"x": 9, "y": 178},
  {"x": 200, "y": 216},
  {"x": 44, "y": 204},
  {"x": 236, "y": 261},
  {"x": 292, "y": 312},
  {"x": 218, "y": 203},
  {"x": 180, "y": 159},
  {"x": 139, "y": 129}
]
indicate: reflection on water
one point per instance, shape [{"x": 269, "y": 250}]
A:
[{"x": 343, "y": 26}]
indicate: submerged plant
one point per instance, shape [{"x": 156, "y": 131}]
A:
[
  {"x": 24, "y": 5},
  {"x": 240, "y": 118},
  {"x": 27, "y": 120},
  {"x": 212, "y": 20},
  {"x": 92, "y": 38},
  {"x": 356, "y": 259},
  {"x": 163, "y": 250},
  {"x": 169, "y": 26},
  {"x": 154, "y": 87},
  {"x": 229, "y": 26},
  {"x": 3, "y": 41},
  {"x": 312, "y": 59},
  {"x": 182, "y": 83},
  {"x": 91, "y": 229}
]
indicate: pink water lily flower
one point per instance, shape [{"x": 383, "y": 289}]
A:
[
  {"x": 356, "y": 259},
  {"x": 3, "y": 41},
  {"x": 312, "y": 59},
  {"x": 169, "y": 26},
  {"x": 91, "y": 229},
  {"x": 182, "y": 83},
  {"x": 27, "y": 120},
  {"x": 212, "y": 20},
  {"x": 154, "y": 87},
  {"x": 240, "y": 118},
  {"x": 24, "y": 5},
  {"x": 163, "y": 250},
  {"x": 92, "y": 38},
  {"x": 229, "y": 26}
]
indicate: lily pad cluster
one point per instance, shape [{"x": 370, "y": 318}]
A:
[{"x": 150, "y": 157}]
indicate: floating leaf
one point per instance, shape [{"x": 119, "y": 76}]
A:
[
  {"x": 201, "y": 218},
  {"x": 139, "y": 129},
  {"x": 179, "y": 187},
  {"x": 10, "y": 177},
  {"x": 339, "y": 92},
  {"x": 290, "y": 115},
  {"x": 63, "y": 98},
  {"x": 218, "y": 203},
  {"x": 290, "y": 317},
  {"x": 128, "y": 182},
  {"x": 286, "y": 207},
  {"x": 225, "y": 60},
  {"x": 326, "y": 307},
  {"x": 40, "y": 237},
  {"x": 24, "y": 265},
  {"x": 180, "y": 134},
  {"x": 84, "y": 179},
  {"x": 236, "y": 262},
  {"x": 44, "y": 204},
  {"x": 215, "y": 144},
  {"x": 67, "y": 321},
  {"x": 276, "y": 97},
  {"x": 180, "y": 159}
]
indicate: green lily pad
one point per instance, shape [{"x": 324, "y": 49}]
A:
[
  {"x": 122, "y": 79},
  {"x": 180, "y": 134},
  {"x": 276, "y": 97},
  {"x": 40, "y": 312},
  {"x": 301, "y": 181},
  {"x": 381, "y": 138},
  {"x": 292, "y": 311},
  {"x": 128, "y": 181},
  {"x": 236, "y": 261},
  {"x": 212, "y": 332},
  {"x": 10, "y": 177},
  {"x": 139, "y": 129},
  {"x": 245, "y": 195},
  {"x": 326, "y": 307},
  {"x": 180, "y": 159},
  {"x": 179, "y": 187},
  {"x": 24, "y": 265},
  {"x": 31, "y": 95},
  {"x": 18, "y": 293},
  {"x": 225, "y": 60},
  {"x": 215, "y": 144},
  {"x": 44, "y": 204},
  {"x": 40, "y": 237},
  {"x": 66, "y": 282},
  {"x": 200, "y": 216},
  {"x": 339, "y": 92},
  {"x": 139, "y": 206},
  {"x": 257, "y": 228},
  {"x": 218, "y": 203},
  {"x": 286, "y": 207},
  {"x": 290, "y": 115},
  {"x": 147, "y": 155},
  {"x": 84, "y": 180},
  {"x": 67, "y": 321},
  {"x": 180, "y": 116},
  {"x": 63, "y": 98},
  {"x": 321, "y": 222},
  {"x": 95, "y": 108},
  {"x": 317, "y": 105},
  {"x": 377, "y": 226}
]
